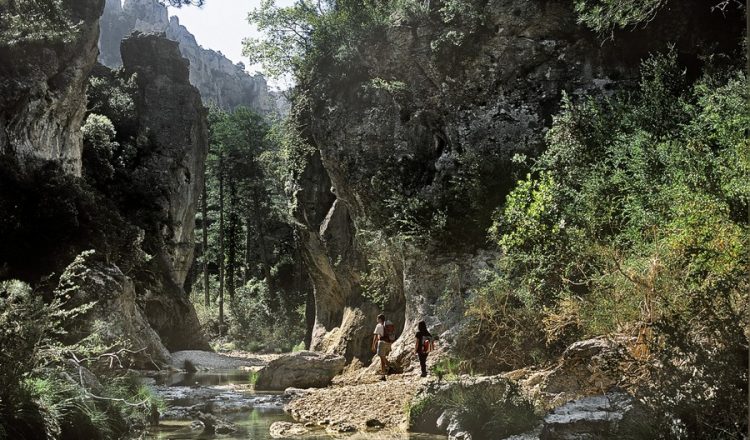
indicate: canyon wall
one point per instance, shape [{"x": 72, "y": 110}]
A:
[
  {"x": 42, "y": 91},
  {"x": 172, "y": 123},
  {"x": 52, "y": 211},
  {"x": 425, "y": 127},
  {"x": 219, "y": 80}
]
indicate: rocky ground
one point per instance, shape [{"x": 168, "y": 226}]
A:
[
  {"x": 358, "y": 403},
  {"x": 580, "y": 394}
]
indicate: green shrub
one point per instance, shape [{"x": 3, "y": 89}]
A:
[
  {"x": 41, "y": 395},
  {"x": 486, "y": 411},
  {"x": 422, "y": 414},
  {"x": 254, "y": 327},
  {"x": 448, "y": 368},
  {"x": 608, "y": 15},
  {"x": 33, "y": 21},
  {"x": 501, "y": 332},
  {"x": 635, "y": 221}
]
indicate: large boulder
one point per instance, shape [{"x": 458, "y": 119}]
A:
[
  {"x": 586, "y": 368},
  {"x": 481, "y": 399},
  {"x": 114, "y": 319},
  {"x": 304, "y": 369}
]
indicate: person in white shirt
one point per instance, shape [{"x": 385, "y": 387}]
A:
[{"x": 380, "y": 346}]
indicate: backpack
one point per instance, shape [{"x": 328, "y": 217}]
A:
[
  {"x": 389, "y": 332},
  {"x": 425, "y": 344}
]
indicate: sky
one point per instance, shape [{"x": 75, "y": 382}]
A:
[{"x": 221, "y": 25}]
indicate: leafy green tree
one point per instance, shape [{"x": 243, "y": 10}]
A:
[
  {"x": 607, "y": 15},
  {"x": 288, "y": 33}
]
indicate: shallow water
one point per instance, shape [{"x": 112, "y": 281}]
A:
[{"x": 233, "y": 399}]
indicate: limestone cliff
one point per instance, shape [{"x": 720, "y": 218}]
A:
[
  {"x": 419, "y": 128},
  {"x": 219, "y": 81},
  {"x": 50, "y": 213},
  {"x": 115, "y": 317},
  {"x": 42, "y": 91},
  {"x": 173, "y": 129}
]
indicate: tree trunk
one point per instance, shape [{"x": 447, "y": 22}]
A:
[
  {"x": 232, "y": 238},
  {"x": 248, "y": 248},
  {"x": 264, "y": 255},
  {"x": 221, "y": 244},
  {"x": 204, "y": 213},
  {"x": 265, "y": 259}
]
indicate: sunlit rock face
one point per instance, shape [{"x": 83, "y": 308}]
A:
[
  {"x": 173, "y": 120},
  {"x": 43, "y": 92},
  {"x": 219, "y": 80},
  {"x": 413, "y": 118},
  {"x": 115, "y": 317}
]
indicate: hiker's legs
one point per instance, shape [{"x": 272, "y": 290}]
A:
[
  {"x": 382, "y": 351},
  {"x": 423, "y": 363}
]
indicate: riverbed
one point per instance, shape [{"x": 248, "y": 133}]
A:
[{"x": 229, "y": 394}]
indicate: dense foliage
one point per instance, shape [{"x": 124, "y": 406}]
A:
[
  {"x": 635, "y": 221},
  {"x": 51, "y": 216},
  {"x": 251, "y": 249},
  {"x": 47, "y": 389},
  {"x": 23, "y": 21}
]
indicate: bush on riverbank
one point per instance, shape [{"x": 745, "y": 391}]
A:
[
  {"x": 634, "y": 221},
  {"x": 484, "y": 410},
  {"x": 47, "y": 389}
]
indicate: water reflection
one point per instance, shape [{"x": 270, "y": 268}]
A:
[{"x": 206, "y": 378}]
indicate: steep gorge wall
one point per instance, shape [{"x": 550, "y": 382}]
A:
[
  {"x": 412, "y": 120},
  {"x": 42, "y": 105},
  {"x": 220, "y": 82},
  {"x": 172, "y": 120},
  {"x": 42, "y": 92}
]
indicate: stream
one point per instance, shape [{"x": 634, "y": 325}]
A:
[{"x": 229, "y": 394}]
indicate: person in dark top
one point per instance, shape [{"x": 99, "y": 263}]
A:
[{"x": 424, "y": 346}]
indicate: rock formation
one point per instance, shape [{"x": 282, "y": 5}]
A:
[
  {"x": 42, "y": 92},
  {"x": 115, "y": 317},
  {"x": 174, "y": 133},
  {"x": 220, "y": 82},
  {"x": 421, "y": 130},
  {"x": 42, "y": 104},
  {"x": 304, "y": 369}
]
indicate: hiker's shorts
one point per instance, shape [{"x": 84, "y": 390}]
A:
[{"x": 383, "y": 348}]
